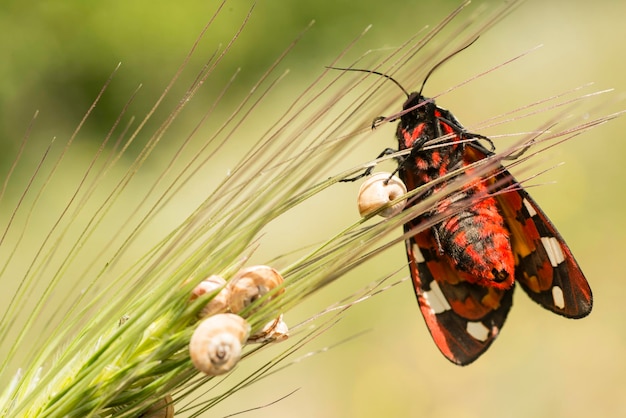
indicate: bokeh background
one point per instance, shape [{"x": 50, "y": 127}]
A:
[{"x": 55, "y": 56}]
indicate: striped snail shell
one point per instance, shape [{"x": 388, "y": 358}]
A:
[
  {"x": 219, "y": 303},
  {"x": 216, "y": 344},
  {"x": 251, "y": 283}
]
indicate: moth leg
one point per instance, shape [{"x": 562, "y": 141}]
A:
[
  {"x": 368, "y": 170},
  {"x": 521, "y": 152},
  {"x": 377, "y": 121},
  {"x": 459, "y": 130}
]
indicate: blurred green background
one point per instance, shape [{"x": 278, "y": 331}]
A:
[{"x": 57, "y": 54}]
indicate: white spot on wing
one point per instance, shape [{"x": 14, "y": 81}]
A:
[
  {"x": 417, "y": 253},
  {"x": 478, "y": 330},
  {"x": 436, "y": 299},
  {"x": 531, "y": 210},
  {"x": 553, "y": 248},
  {"x": 557, "y": 297}
]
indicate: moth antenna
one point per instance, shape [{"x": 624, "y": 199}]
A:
[
  {"x": 432, "y": 70},
  {"x": 388, "y": 77}
]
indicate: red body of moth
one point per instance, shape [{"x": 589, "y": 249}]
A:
[{"x": 465, "y": 267}]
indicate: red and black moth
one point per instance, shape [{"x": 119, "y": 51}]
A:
[{"x": 465, "y": 267}]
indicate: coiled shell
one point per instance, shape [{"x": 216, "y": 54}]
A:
[
  {"x": 215, "y": 346},
  {"x": 379, "y": 190},
  {"x": 275, "y": 330},
  {"x": 219, "y": 303},
  {"x": 251, "y": 283},
  {"x": 163, "y": 408}
]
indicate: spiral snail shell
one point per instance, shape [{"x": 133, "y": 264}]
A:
[
  {"x": 216, "y": 344},
  {"x": 163, "y": 408},
  {"x": 251, "y": 283},
  {"x": 219, "y": 303},
  {"x": 379, "y": 190},
  {"x": 275, "y": 330}
]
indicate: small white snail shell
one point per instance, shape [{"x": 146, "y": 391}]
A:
[
  {"x": 251, "y": 283},
  {"x": 216, "y": 344},
  {"x": 275, "y": 330},
  {"x": 219, "y": 303},
  {"x": 163, "y": 408},
  {"x": 379, "y": 190}
]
